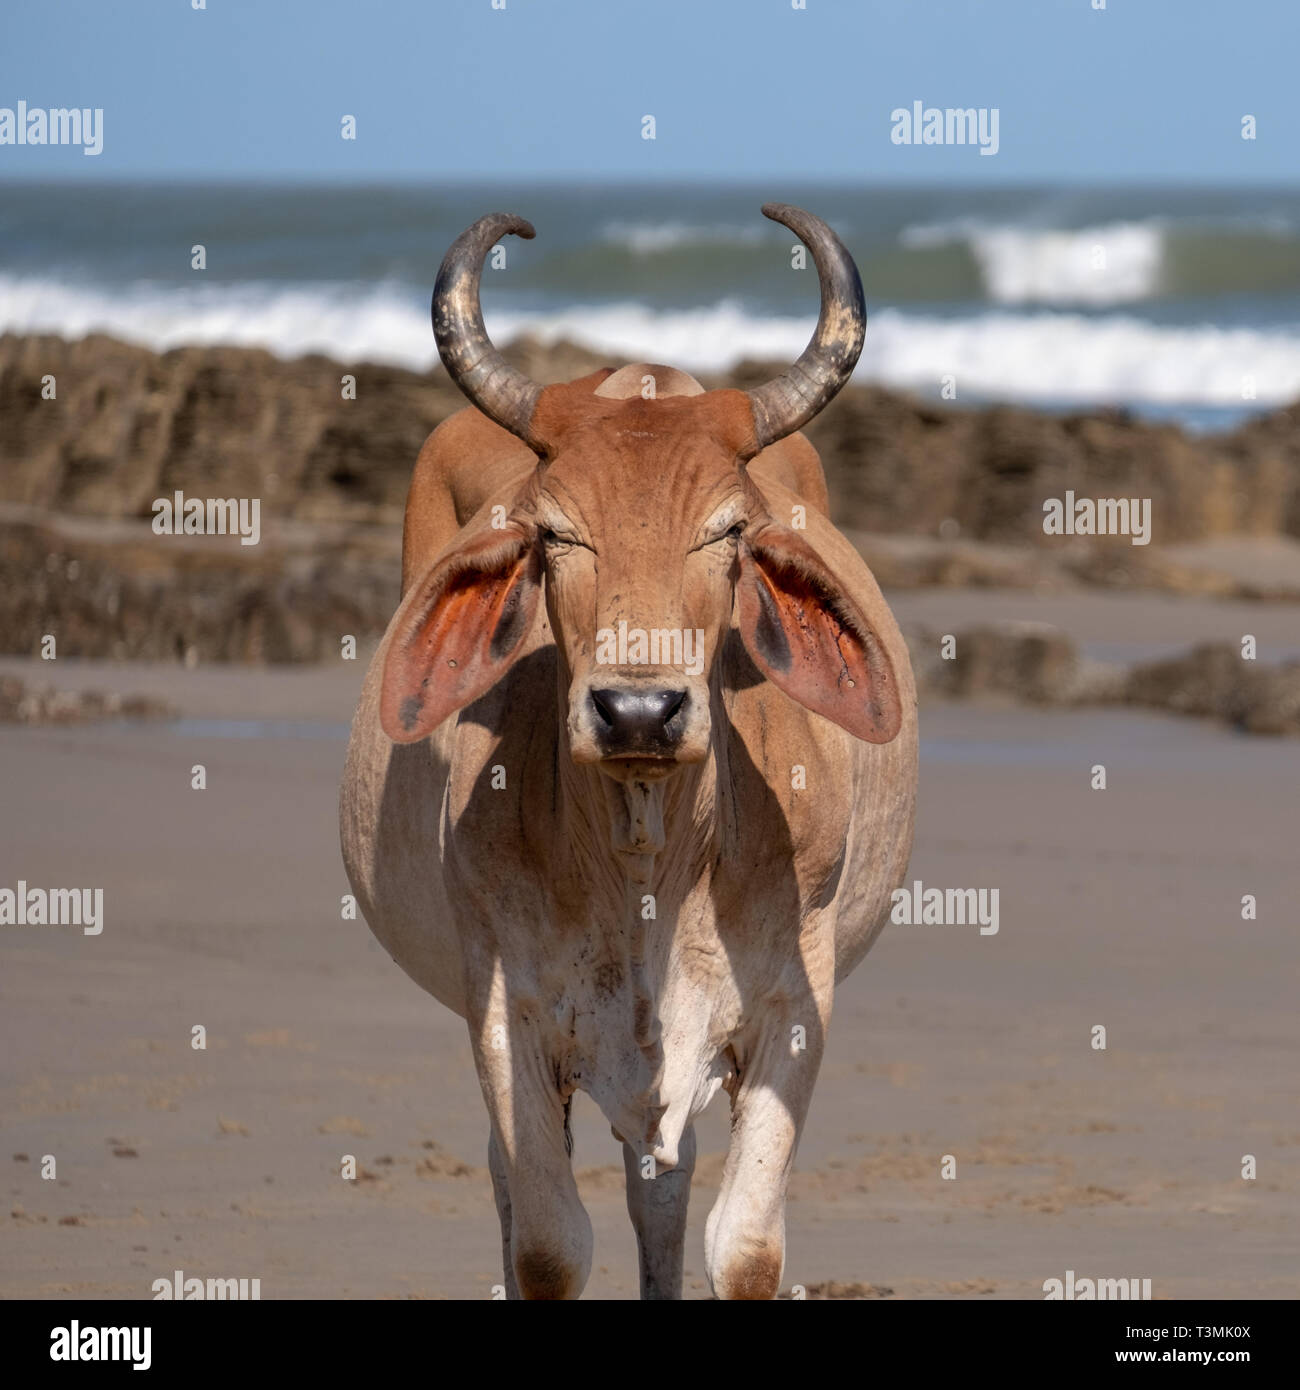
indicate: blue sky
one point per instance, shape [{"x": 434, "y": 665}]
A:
[{"x": 1151, "y": 91}]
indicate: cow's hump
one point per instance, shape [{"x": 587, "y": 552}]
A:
[{"x": 629, "y": 381}]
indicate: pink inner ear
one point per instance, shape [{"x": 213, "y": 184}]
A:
[
  {"x": 464, "y": 630},
  {"x": 808, "y": 641}
]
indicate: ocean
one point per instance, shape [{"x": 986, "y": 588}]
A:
[{"x": 1173, "y": 304}]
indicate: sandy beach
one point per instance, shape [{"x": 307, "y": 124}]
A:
[
  {"x": 1119, "y": 908},
  {"x": 1025, "y": 278}
]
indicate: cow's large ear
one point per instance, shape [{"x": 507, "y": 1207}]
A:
[
  {"x": 810, "y": 639},
  {"x": 459, "y": 629}
]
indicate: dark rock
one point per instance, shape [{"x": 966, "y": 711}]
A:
[
  {"x": 129, "y": 425},
  {"x": 1214, "y": 682},
  {"x": 20, "y": 704}
]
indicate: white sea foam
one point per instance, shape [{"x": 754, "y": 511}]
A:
[
  {"x": 1114, "y": 263},
  {"x": 1117, "y": 359},
  {"x": 1030, "y": 356},
  {"x": 381, "y": 324}
]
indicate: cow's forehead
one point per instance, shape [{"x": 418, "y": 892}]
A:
[{"x": 636, "y": 458}]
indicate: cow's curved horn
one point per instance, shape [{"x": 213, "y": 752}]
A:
[
  {"x": 792, "y": 399},
  {"x": 497, "y": 389}
]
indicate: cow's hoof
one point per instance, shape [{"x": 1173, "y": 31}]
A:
[
  {"x": 541, "y": 1274},
  {"x": 748, "y": 1277}
]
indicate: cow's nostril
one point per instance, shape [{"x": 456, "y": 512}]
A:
[
  {"x": 602, "y": 709},
  {"x": 635, "y": 720}
]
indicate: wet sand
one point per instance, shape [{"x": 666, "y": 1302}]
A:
[{"x": 1118, "y": 907}]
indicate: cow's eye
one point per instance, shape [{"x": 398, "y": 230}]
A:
[{"x": 711, "y": 539}]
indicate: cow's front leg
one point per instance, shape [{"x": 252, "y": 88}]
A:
[
  {"x": 656, "y": 1202},
  {"x": 744, "y": 1239},
  {"x": 545, "y": 1231},
  {"x": 501, "y": 1194},
  {"x": 546, "y": 1234}
]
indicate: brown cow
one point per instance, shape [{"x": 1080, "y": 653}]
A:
[{"x": 633, "y": 773}]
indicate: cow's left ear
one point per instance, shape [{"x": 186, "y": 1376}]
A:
[
  {"x": 810, "y": 639},
  {"x": 459, "y": 629}
]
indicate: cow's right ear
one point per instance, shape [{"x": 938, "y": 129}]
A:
[{"x": 459, "y": 629}]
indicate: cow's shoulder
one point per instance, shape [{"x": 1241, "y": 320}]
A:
[
  {"x": 463, "y": 463},
  {"x": 793, "y": 462}
]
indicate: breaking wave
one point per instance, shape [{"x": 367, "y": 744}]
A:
[
  {"x": 1043, "y": 356},
  {"x": 1113, "y": 264},
  {"x": 1117, "y": 263}
]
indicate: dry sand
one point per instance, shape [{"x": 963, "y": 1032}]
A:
[{"x": 1118, "y": 907}]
